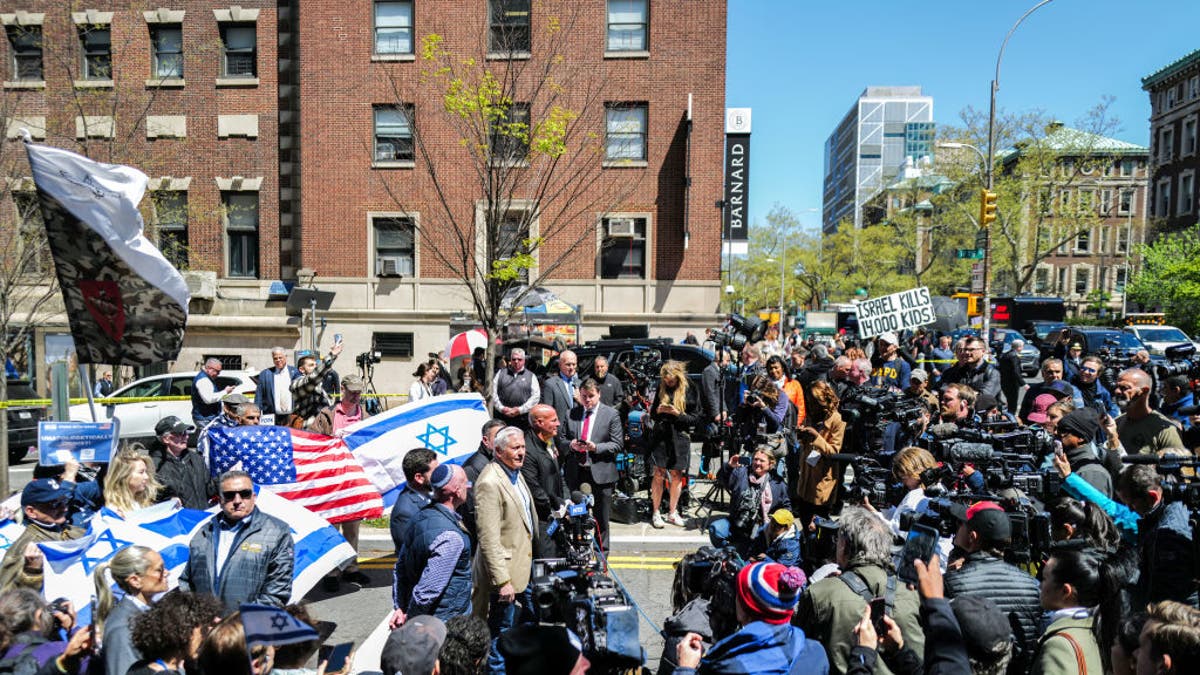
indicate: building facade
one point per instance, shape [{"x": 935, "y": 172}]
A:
[
  {"x": 1174, "y": 120},
  {"x": 280, "y": 145},
  {"x": 885, "y": 128}
]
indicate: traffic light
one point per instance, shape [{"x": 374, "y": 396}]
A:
[{"x": 987, "y": 207}]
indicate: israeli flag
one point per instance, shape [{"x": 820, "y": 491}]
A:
[
  {"x": 450, "y": 425},
  {"x": 169, "y": 529},
  {"x": 9, "y": 531},
  {"x": 274, "y": 626}
]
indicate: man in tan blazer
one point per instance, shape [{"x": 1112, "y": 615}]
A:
[{"x": 506, "y": 526}]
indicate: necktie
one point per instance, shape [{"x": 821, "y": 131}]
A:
[{"x": 587, "y": 420}]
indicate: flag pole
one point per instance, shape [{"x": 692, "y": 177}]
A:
[{"x": 87, "y": 389}]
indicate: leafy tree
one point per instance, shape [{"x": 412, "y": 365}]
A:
[{"x": 1170, "y": 277}]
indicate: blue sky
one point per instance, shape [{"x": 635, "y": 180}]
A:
[{"x": 800, "y": 64}]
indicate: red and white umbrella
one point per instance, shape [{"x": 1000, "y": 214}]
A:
[{"x": 464, "y": 344}]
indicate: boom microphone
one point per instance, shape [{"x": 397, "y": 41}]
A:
[
  {"x": 945, "y": 430},
  {"x": 586, "y": 489},
  {"x": 841, "y": 457},
  {"x": 970, "y": 452}
]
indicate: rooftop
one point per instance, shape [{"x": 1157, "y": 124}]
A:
[
  {"x": 1176, "y": 66},
  {"x": 1068, "y": 141}
]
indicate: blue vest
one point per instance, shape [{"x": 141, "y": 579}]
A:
[
  {"x": 428, "y": 524},
  {"x": 199, "y": 407}
]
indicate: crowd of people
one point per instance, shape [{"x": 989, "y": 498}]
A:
[{"x": 1116, "y": 592}]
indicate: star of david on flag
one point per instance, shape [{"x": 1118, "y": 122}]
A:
[
  {"x": 430, "y": 441},
  {"x": 274, "y": 626},
  {"x": 315, "y": 471}
]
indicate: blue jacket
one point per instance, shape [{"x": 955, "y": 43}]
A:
[
  {"x": 785, "y": 550},
  {"x": 408, "y": 503},
  {"x": 764, "y": 649},
  {"x": 427, "y": 526},
  {"x": 1172, "y": 410},
  {"x": 1167, "y": 558},
  {"x": 264, "y": 395}
]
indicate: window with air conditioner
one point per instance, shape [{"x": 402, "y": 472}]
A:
[
  {"x": 395, "y": 251},
  {"x": 623, "y": 248}
]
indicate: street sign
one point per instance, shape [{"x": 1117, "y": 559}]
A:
[
  {"x": 969, "y": 254},
  {"x": 977, "y": 278}
]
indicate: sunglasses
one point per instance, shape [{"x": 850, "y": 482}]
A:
[{"x": 228, "y": 495}]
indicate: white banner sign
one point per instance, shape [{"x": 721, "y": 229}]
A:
[{"x": 894, "y": 312}]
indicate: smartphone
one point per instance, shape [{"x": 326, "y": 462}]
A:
[
  {"x": 920, "y": 545},
  {"x": 335, "y": 656},
  {"x": 337, "y": 338},
  {"x": 878, "y": 608},
  {"x": 92, "y": 626}
]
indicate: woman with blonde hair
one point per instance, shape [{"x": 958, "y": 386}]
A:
[
  {"x": 674, "y": 412},
  {"x": 908, "y": 466},
  {"x": 130, "y": 484},
  {"x": 821, "y": 435},
  {"x": 140, "y": 573}
]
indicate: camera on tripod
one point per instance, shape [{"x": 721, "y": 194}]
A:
[{"x": 368, "y": 359}]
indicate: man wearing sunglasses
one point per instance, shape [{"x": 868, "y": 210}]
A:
[
  {"x": 44, "y": 505},
  {"x": 242, "y": 555}
]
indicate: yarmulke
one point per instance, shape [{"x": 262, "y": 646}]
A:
[
  {"x": 769, "y": 590},
  {"x": 441, "y": 476}
]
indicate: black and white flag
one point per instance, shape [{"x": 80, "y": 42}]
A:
[{"x": 126, "y": 304}]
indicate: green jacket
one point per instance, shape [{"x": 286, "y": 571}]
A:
[
  {"x": 12, "y": 569},
  {"x": 1056, "y": 655},
  {"x": 829, "y": 610}
]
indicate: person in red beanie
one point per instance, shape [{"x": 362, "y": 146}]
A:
[{"x": 767, "y": 644}]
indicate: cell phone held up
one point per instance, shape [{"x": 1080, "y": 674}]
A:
[
  {"x": 335, "y": 656},
  {"x": 921, "y": 544},
  {"x": 878, "y": 609}
]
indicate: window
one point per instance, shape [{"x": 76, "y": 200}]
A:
[
  {"x": 1166, "y": 142},
  {"x": 623, "y": 248},
  {"x": 509, "y": 30},
  {"x": 1062, "y": 280},
  {"x": 1041, "y": 280},
  {"x": 1126, "y": 168},
  {"x": 1189, "y": 138},
  {"x": 1125, "y": 206},
  {"x": 1194, "y": 87},
  {"x": 1122, "y": 240},
  {"x": 627, "y": 21},
  {"x": 392, "y": 344},
  {"x": 393, "y": 133},
  {"x": 1163, "y": 207},
  {"x": 509, "y": 137},
  {"x": 34, "y": 253},
  {"x": 26, "y": 45},
  {"x": 241, "y": 225},
  {"x": 1083, "y": 242},
  {"x": 395, "y": 254},
  {"x": 511, "y": 235},
  {"x": 96, "y": 42},
  {"x": 1082, "y": 280},
  {"x": 1064, "y": 201},
  {"x": 1106, "y": 201},
  {"x": 625, "y": 132},
  {"x": 240, "y": 45},
  {"x": 1187, "y": 183},
  {"x": 1171, "y": 98},
  {"x": 1105, "y": 236},
  {"x": 171, "y": 217},
  {"x": 166, "y": 43},
  {"x": 1120, "y": 278},
  {"x": 1087, "y": 200},
  {"x": 393, "y": 28}
]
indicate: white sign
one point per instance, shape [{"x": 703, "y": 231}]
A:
[
  {"x": 977, "y": 278},
  {"x": 894, "y": 312},
  {"x": 737, "y": 120}
]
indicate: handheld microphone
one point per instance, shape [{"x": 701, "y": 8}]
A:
[{"x": 586, "y": 489}]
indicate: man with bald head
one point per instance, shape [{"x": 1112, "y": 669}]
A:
[
  {"x": 435, "y": 575},
  {"x": 543, "y": 473},
  {"x": 1141, "y": 429}
]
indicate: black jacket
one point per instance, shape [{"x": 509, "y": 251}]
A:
[
  {"x": 984, "y": 379},
  {"x": 1011, "y": 376},
  {"x": 1016, "y": 594},
  {"x": 185, "y": 477},
  {"x": 543, "y": 476},
  {"x": 675, "y": 431},
  {"x": 1166, "y": 558},
  {"x": 473, "y": 467}
]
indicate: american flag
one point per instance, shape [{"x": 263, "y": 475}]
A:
[{"x": 310, "y": 469}]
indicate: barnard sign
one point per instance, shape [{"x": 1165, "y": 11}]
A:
[
  {"x": 737, "y": 174},
  {"x": 895, "y": 312}
]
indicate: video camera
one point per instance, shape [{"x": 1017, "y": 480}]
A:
[
  {"x": 739, "y": 331},
  {"x": 1031, "y": 532},
  {"x": 368, "y": 359},
  {"x": 872, "y": 480},
  {"x": 869, "y": 410},
  {"x": 710, "y": 573},
  {"x": 1181, "y": 360}
]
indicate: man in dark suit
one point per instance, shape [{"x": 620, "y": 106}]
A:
[
  {"x": 541, "y": 471},
  {"x": 596, "y": 436},
  {"x": 559, "y": 389},
  {"x": 1011, "y": 378}
]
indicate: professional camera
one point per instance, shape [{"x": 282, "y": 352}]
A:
[
  {"x": 1181, "y": 360},
  {"x": 710, "y": 573},
  {"x": 368, "y": 359},
  {"x": 738, "y": 332},
  {"x": 871, "y": 481},
  {"x": 868, "y": 411},
  {"x": 1031, "y": 537},
  {"x": 593, "y": 607}
]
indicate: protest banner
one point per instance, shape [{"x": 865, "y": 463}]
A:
[
  {"x": 895, "y": 312},
  {"x": 82, "y": 441}
]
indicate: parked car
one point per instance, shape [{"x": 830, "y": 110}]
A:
[
  {"x": 623, "y": 353},
  {"x": 139, "y": 419},
  {"x": 22, "y": 420},
  {"x": 1158, "y": 338},
  {"x": 1042, "y": 334},
  {"x": 1002, "y": 339}
]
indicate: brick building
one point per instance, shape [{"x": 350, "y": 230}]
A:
[
  {"x": 281, "y": 147},
  {"x": 1174, "y": 119}
]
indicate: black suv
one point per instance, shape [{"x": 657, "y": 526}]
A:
[
  {"x": 624, "y": 352},
  {"x": 22, "y": 420}
]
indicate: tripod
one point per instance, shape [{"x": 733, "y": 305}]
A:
[
  {"x": 724, "y": 440},
  {"x": 374, "y": 405}
]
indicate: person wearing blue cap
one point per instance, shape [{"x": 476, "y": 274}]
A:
[
  {"x": 44, "y": 505},
  {"x": 435, "y": 575}
]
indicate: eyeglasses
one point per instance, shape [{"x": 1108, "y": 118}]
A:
[
  {"x": 228, "y": 495},
  {"x": 1088, "y": 370}
]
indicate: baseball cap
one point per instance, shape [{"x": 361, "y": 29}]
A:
[
  {"x": 918, "y": 374},
  {"x": 532, "y": 649},
  {"x": 42, "y": 491},
  {"x": 234, "y": 399},
  {"x": 172, "y": 424},
  {"x": 888, "y": 337},
  {"x": 352, "y": 382},
  {"x": 985, "y": 402},
  {"x": 985, "y": 629},
  {"x": 987, "y": 519},
  {"x": 1076, "y": 345},
  {"x": 783, "y": 517},
  {"x": 1037, "y": 412},
  {"x": 412, "y": 649}
]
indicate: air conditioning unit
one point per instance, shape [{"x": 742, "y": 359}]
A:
[
  {"x": 622, "y": 227},
  {"x": 392, "y": 266}
]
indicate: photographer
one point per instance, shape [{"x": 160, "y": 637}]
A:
[
  {"x": 765, "y": 408},
  {"x": 1077, "y": 433},
  {"x": 821, "y": 435},
  {"x": 1166, "y": 556},
  {"x": 1177, "y": 395},
  {"x": 755, "y": 492},
  {"x": 778, "y": 373}
]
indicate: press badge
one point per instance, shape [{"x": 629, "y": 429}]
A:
[{"x": 252, "y": 548}]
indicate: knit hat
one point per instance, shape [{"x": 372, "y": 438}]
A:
[
  {"x": 1083, "y": 422},
  {"x": 769, "y": 590},
  {"x": 441, "y": 476},
  {"x": 539, "y": 650},
  {"x": 1037, "y": 412}
]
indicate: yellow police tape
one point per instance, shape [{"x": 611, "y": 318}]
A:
[{"x": 104, "y": 402}]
